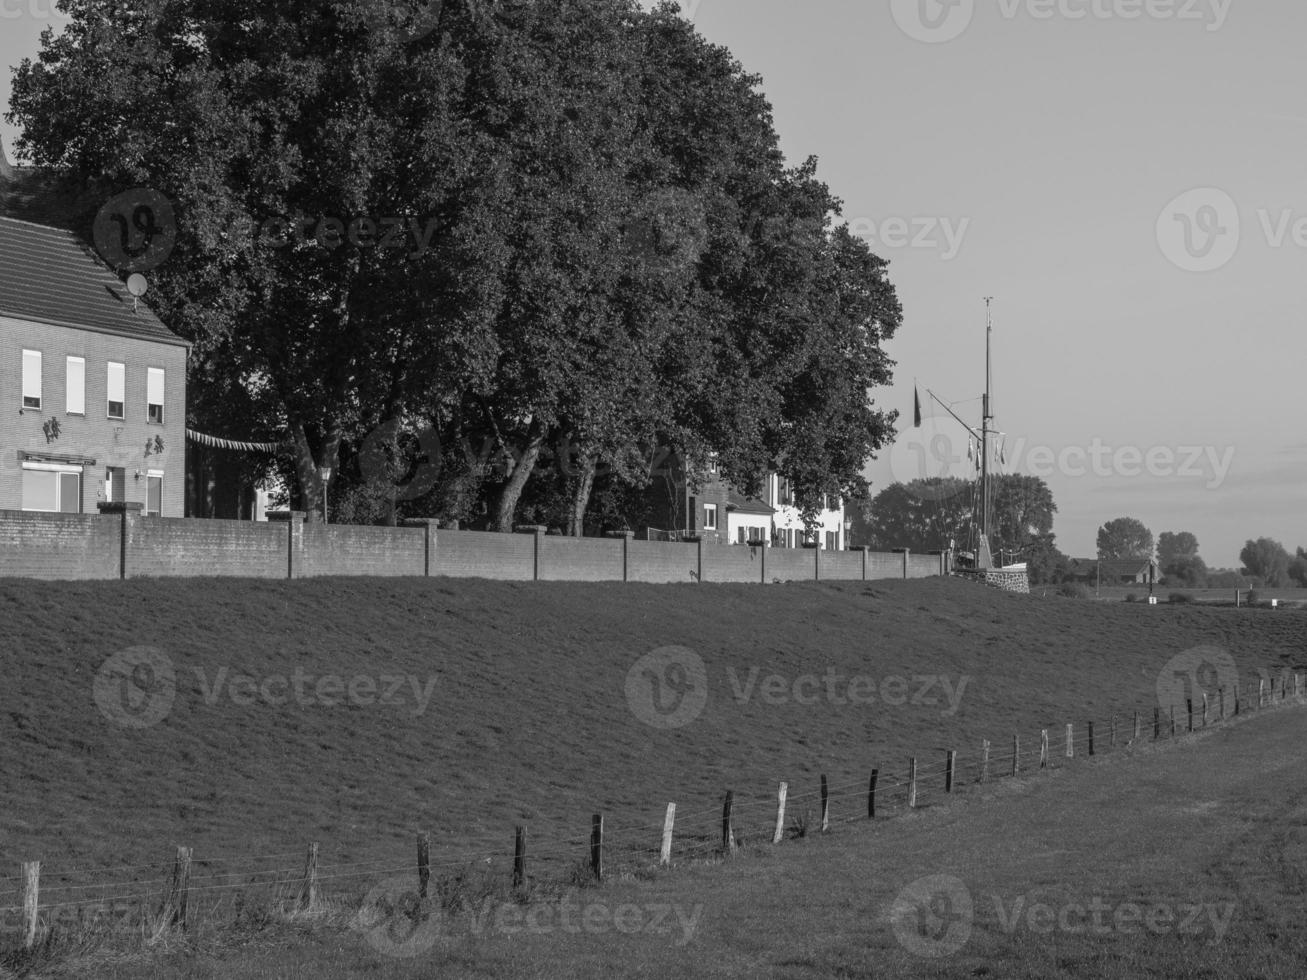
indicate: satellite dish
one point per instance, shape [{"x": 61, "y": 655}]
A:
[{"x": 137, "y": 285}]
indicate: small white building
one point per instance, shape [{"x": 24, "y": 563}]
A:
[{"x": 787, "y": 520}]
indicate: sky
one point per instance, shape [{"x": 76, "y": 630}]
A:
[{"x": 1126, "y": 179}]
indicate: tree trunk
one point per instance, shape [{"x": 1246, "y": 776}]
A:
[
  {"x": 512, "y": 491},
  {"x": 313, "y": 492},
  {"x": 583, "y": 487}
]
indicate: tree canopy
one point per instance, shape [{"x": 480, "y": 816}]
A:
[
  {"x": 481, "y": 230},
  {"x": 1267, "y": 561},
  {"x": 1125, "y": 538}
]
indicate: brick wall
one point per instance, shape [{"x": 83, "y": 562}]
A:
[
  {"x": 477, "y": 554},
  {"x": 110, "y": 442},
  {"x": 159, "y": 546},
  {"x": 663, "y": 561},
  {"x": 923, "y": 566},
  {"x": 347, "y": 549},
  {"x": 580, "y": 559},
  {"x": 732, "y": 563},
  {"x": 81, "y": 546},
  {"x": 59, "y": 546}
]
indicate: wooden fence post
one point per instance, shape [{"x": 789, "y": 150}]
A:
[
  {"x": 825, "y": 806},
  {"x": 871, "y": 792},
  {"x": 1221, "y": 692},
  {"x": 1204, "y": 709},
  {"x": 519, "y": 857},
  {"x": 1016, "y": 754},
  {"x": 948, "y": 771},
  {"x": 1236, "y": 700},
  {"x": 424, "y": 863},
  {"x": 1043, "y": 748},
  {"x": 178, "y": 899},
  {"x": 728, "y": 825},
  {"x": 1113, "y": 744},
  {"x": 984, "y": 760},
  {"x": 912, "y": 782},
  {"x": 309, "y": 891},
  {"x": 1261, "y": 693},
  {"x": 1173, "y": 721},
  {"x": 597, "y": 846},
  {"x": 1091, "y": 737},
  {"x": 31, "y": 901},
  {"x": 1136, "y": 738},
  {"x": 779, "y": 835},
  {"x": 1189, "y": 707},
  {"x": 665, "y": 855},
  {"x": 1070, "y": 742}
]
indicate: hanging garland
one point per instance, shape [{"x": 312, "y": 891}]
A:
[{"x": 219, "y": 443}]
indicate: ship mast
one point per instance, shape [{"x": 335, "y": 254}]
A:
[{"x": 984, "y": 558}]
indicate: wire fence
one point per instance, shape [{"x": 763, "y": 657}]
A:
[{"x": 167, "y": 893}]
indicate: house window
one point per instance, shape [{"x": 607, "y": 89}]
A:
[
  {"x": 154, "y": 496},
  {"x": 75, "y": 388},
  {"x": 117, "y": 389},
  {"x": 743, "y": 536},
  {"x": 832, "y": 540},
  {"x": 784, "y": 494},
  {"x": 710, "y": 517},
  {"x": 31, "y": 379},
  {"x": 52, "y": 489},
  {"x": 154, "y": 395}
]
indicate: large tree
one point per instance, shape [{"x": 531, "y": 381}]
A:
[
  {"x": 924, "y": 515},
  {"x": 1022, "y": 510},
  {"x": 1125, "y": 538},
  {"x": 601, "y": 244},
  {"x": 1267, "y": 561},
  {"x": 1174, "y": 547}
]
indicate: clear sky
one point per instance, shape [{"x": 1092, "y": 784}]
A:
[{"x": 1127, "y": 179}]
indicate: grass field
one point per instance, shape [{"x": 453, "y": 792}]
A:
[{"x": 358, "y": 713}]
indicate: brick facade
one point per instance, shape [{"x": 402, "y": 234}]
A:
[{"x": 110, "y": 442}]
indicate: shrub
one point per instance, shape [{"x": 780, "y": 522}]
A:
[
  {"x": 1181, "y": 597},
  {"x": 1075, "y": 590},
  {"x": 1253, "y": 598},
  {"x": 1131, "y": 597}
]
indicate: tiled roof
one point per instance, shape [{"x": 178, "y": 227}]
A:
[
  {"x": 48, "y": 275},
  {"x": 747, "y": 505}
]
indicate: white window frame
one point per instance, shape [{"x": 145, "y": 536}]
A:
[
  {"x": 32, "y": 367},
  {"x": 75, "y": 386},
  {"x": 122, "y": 390},
  {"x": 150, "y": 375},
  {"x": 58, "y": 468},
  {"x": 710, "y": 514}
]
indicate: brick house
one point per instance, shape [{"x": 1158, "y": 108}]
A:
[{"x": 92, "y": 384}]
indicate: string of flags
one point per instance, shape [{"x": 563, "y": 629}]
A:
[{"x": 217, "y": 442}]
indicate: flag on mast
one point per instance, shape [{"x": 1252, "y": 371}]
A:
[{"x": 916, "y": 408}]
